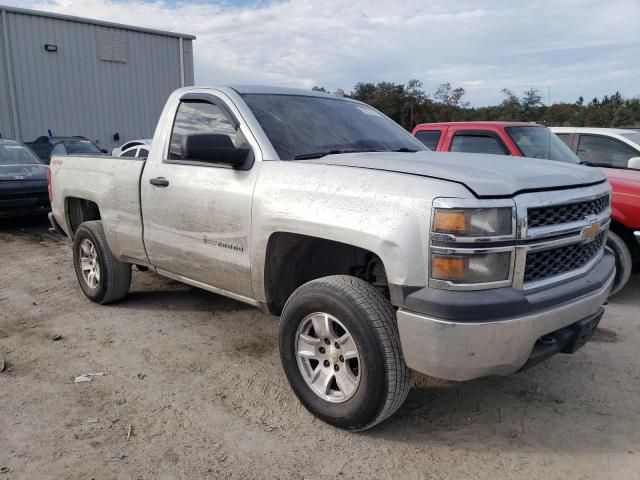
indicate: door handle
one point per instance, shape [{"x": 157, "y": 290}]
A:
[{"x": 159, "y": 182}]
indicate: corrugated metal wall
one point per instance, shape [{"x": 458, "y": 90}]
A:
[
  {"x": 6, "y": 125},
  {"x": 73, "y": 92}
]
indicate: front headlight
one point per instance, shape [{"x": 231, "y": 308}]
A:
[
  {"x": 473, "y": 222},
  {"x": 471, "y": 268},
  {"x": 472, "y": 243}
]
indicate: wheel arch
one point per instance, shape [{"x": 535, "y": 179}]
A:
[
  {"x": 79, "y": 210},
  {"x": 293, "y": 259}
]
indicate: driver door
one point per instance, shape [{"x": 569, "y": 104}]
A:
[{"x": 197, "y": 214}]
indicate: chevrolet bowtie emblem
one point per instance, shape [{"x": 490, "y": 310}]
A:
[{"x": 590, "y": 233}]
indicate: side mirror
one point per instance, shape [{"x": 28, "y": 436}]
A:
[
  {"x": 104, "y": 150},
  {"x": 634, "y": 163},
  {"x": 214, "y": 148}
]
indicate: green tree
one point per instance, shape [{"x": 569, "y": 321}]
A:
[
  {"x": 510, "y": 106},
  {"x": 450, "y": 100},
  {"x": 530, "y": 104}
]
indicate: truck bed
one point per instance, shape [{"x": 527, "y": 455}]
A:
[{"x": 113, "y": 183}]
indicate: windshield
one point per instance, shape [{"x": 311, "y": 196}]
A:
[
  {"x": 633, "y": 136},
  {"x": 81, "y": 146},
  {"x": 16, "y": 154},
  {"x": 300, "y": 126},
  {"x": 540, "y": 142}
]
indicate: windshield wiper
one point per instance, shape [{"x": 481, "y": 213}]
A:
[
  {"x": 309, "y": 156},
  {"x": 402, "y": 150}
]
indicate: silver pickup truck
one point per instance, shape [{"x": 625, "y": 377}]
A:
[{"x": 379, "y": 256}]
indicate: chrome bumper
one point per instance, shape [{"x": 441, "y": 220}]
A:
[{"x": 466, "y": 350}]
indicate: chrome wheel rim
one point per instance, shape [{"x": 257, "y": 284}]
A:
[
  {"x": 328, "y": 357},
  {"x": 89, "y": 264}
]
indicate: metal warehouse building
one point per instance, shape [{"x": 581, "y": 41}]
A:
[{"x": 73, "y": 76}]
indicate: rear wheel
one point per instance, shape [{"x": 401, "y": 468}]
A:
[
  {"x": 624, "y": 263},
  {"x": 101, "y": 276},
  {"x": 340, "y": 350}
]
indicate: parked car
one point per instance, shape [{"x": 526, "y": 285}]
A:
[
  {"x": 603, "y": 147},
  {"x": 137, "y": 151},
  {"x": 118, "y": 151},
  {"x": 45, "y": 147},
  {"x": 379, "y": 255},
  {"x": 535, "y": 141},
  {"x": 23, "y": 181}
]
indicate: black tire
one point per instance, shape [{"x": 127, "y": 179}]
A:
[
  {"x": 115, "y": 276},
  {"x": 370, "y": 319},
  {"x": 624, "y": 262}
]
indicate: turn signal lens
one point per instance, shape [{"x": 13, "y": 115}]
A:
[
  {"x": 450, "y": 221},
  {"x": 470, "y": 268},
  {"x": 449, "y": 268}
]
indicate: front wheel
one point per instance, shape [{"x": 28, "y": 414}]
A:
[
  {"x": 340, "y": 350},
  {"x": 102, "y": 277}
]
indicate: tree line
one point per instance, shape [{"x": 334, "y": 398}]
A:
[{"x": 409, "y": 104}]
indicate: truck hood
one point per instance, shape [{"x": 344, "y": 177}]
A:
[
  {"x": 29, "y": 173},
  {"x": 484, "y": 175}
]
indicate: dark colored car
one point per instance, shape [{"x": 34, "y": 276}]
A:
[
  {"x": 45, "y": 147},
  {"x": 23, "y": 181}
]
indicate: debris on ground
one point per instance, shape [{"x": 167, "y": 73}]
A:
[
  {"x": 4, "y": 469},
  {"x": 129, "y": 431},
  {"x": 3, "y": 363},
  {"x": 87, "y": 377},
  {"x": 93, "y": 420},
  {"x": 141, "y": 376},
  {"x": 56, "y": 337}
]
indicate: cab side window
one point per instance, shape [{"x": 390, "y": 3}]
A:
[
  {"x": 130, "y": 153},
  {"x": 604, "y": 152},
  {"x": 429, "y": 138},
  {"x": 565, "y": 137},
  {"x": 477, "y": 143},
  {"x": 59, "y": 149},
  {"x": 199, "y": 117}
]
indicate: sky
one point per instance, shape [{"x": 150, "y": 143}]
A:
[{"x": 566, "y": 48}]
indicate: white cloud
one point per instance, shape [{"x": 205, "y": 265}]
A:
[{"x": 575, "y": 47}]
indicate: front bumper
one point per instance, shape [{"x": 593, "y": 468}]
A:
[
  {"x": 463, "y": 350},
  {"x": 23, "y": 198}
]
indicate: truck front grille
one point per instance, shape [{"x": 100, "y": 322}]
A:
[
  {"x": 559, "y": 214},
  {"x": 555, "y": 261}
]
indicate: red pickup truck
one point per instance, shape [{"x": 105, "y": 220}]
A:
[{"x": 524, "y": 139}]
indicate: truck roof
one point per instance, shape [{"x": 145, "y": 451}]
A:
[
  {"x": 480, "y": 124},
  {"x": 618, "y": 131},
  {"x": 265, "y": 90}
]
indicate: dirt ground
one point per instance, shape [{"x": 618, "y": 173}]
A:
[{"x": 193, "y": 388}]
